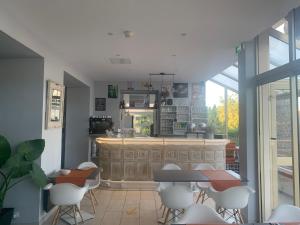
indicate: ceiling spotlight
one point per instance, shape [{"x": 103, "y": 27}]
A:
[
  {"x": 128, "y": 33},
  {"x": 110, "y": 34},
  {"x": 183, "y": 34}
]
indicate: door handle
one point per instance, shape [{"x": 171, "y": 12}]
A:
[{"x": 273, "y": 139}]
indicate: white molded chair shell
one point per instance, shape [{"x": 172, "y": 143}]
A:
[
  {"x": 66, "y": 194},
  {"x": 92, "y": 183},
  {"x": 177, "y": 197},
  {"x": 200, "y": 214},
  {"x": 203, "y": 166},
  {"x": 171, "y": 166},
  {"x": 231, "y": 198},
  {"x": 285, "y": 213},
  {"x": 163, "y": 185},
  {"x": 87, "y": 164}
]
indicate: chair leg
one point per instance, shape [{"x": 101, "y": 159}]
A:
[
  {"x": 203, "y": 197},
  {"x": 235, "y": 214},
  {"x": 93, "y": 194},
  {"x": 240, "y": 216},
  {"x": 74, "y": 213},
  {"x": 163, "y": 211},
  {"x": 92, "y": 201},
  {"x": 167, "y": 216},
  {"x": 78, "y": 210},
  {"x": 199, "y": 196},
  {"x": 55, "y": 219}
]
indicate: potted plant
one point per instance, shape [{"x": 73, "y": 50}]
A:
[{"x": 16, "y": 166}]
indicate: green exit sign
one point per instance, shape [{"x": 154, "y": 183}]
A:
[{"x": 238, "y": 49}]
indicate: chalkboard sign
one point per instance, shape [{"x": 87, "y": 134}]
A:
[{"x": 100, "y": 104}]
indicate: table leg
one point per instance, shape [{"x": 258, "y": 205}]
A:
[{"x": 82, "y": 216}]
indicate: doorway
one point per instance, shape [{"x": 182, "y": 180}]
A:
[
  {"x": 278, "y": 157},
  {"x": 75, "y": 135}
]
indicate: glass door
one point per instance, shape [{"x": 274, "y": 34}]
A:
[{"x": 276, "y": 141}]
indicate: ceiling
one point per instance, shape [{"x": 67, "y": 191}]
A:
[
  {"x": 78, "y": 31},
  {"x": 10, "y": 48}
]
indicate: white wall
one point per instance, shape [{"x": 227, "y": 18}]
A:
[{"x": 54, "y": 67}]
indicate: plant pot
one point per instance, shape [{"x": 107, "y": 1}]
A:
[{"x": 6, "y": 215}]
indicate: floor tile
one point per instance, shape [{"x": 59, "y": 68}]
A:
[
  {"x": 130, "y": 221},
  {"x": 115, "y": 205},
  {"x": 111, "y": 218},
  {"x": 147, "y": 205}
]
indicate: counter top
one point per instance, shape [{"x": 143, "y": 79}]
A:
[{"x": 162, "y": 140}]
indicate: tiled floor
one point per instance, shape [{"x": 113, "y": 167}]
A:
[{"x": 119, "y": 207}]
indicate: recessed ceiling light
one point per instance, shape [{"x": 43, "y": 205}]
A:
[
  {"x": 128, "y": 33},
  {"x": 110, "y": 34},
  {"x": 183, "y": 34}
]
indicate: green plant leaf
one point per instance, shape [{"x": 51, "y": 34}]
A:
[
  {"x": 31, "y": 150},
  {"x": 5, "y": 150},
  {"x": 38, "y": 176},
  {"x": 17, "y": 167}
]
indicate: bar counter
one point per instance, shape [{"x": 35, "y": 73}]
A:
[{"x": 135, "y": 159}]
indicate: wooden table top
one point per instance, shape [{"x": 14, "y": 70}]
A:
[
  {"x": 76, "y": 176},
  {"x": 195, "y": 176}
]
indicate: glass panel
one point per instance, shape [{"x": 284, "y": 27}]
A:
[
  {"x": 215, "y": 107},
  {"x": 278, "y": 52},
  {"x": 226, "y": 82},
  {"x": 297, "y": 32},
  {"x": 232, "y": 71},
  {"x": 233, "y": 116}
]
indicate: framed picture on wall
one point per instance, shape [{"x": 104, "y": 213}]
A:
[
  {"x": 112, "y": 91},
  {"x": 55, "y": 105},
  {"x": 180, "y": 90},
  {"x": 100, "y": 104}
]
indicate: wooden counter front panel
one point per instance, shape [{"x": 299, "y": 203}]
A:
[{"x": 129, "y": 160}]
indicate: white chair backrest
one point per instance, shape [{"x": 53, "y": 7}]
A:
[
  {"x": 177, "y": 197},
  {"x": 200, "y": 214},
  {"x": 171, "y": 166},
  {"x": 203, "y": 166},
  {"x": 87, "y": 164},
  {"x": 66, "y": 194},
  {"x": 285, "y": 213},
  {"x": 232, "y": 198}
]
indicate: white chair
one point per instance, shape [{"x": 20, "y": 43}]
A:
[
  {"x": 163, "y": 185},
  {"x": 169, "y": 166},
  {"x": 93, "y": 184},
  {"x": 202, "y": 186},
  {"x": 285, "y": 213},
  {"x": 67, "y": 197},
  {"x": 176, "y": 197},
  {"x": 234, "y": 198},
  {"x": 200, "y": 214}
]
